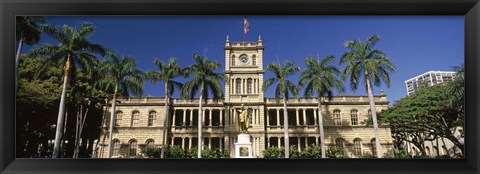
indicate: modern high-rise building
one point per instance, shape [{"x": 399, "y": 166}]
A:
[
  {"x": 139, "y": 121},
  {"x": 429, "y": 78}
]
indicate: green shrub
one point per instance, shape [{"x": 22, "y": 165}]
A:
[
  {"x": 274, "y": 152},
  {"x": 334, "y": 152},
  {"x": 400, "y": 153},
  {"x": 311, "y": 152}
]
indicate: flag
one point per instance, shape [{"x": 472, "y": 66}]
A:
[{"x": 245, "y": 25}]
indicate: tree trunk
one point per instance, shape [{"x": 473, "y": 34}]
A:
[
  {"x": 374, "y": 117},
  {"x": 320, "y": 125},
  {"x": 77, "y": 129},
  {"x": 165, "y": 121},
  {"x": 17, "y": 59},
  {"x": 105, "y": 130},
  {"x": 200, "y": 118},
  {"x": 112, "y": 118},
  {"x": 61, "y": 110},
  {"x": 81, "y": 123},
  {"x": 285, "y": 128}
]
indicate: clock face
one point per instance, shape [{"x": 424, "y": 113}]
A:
[{"x": 244, "y": 59}]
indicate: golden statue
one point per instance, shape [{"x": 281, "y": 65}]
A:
[{"x": 243, "y": 120}]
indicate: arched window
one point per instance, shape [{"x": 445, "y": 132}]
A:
[
  {"x": 116, "y": 147},
  {"x": 135, "y": 118},
  {"x": 239, "y": 85},
  {"x": 374, "y": 147},
  {"x": 339, "y": 143},
  {"x": 254, "y": 60},
  {"x": 151, "y": 118},
  {"x": 119, "y": 116},
  {"x": 357, "y": 147},
  {"x": 150, "y": 145},
  {"x": 132, "y": 149},
  {"x": 354, "y": 117},
  {"x": 337, "y": 117},
  {"x": 435, "y": 151},
  {"x": 233, "y": 60},
  {"x": 249, "y": 86}
]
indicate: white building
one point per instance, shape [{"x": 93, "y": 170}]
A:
[
  {"x": 139, "y": 121},
  {"x": 429, "y": 78}
]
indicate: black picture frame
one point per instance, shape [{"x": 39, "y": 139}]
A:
[{"x": 9, "y": 8}]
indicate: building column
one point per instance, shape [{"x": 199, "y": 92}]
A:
[
  {"x": 210, "y": 143},
  {"x": 210, "y": 118},
  {"x": 298, "y": 141},
  {"x": 278, "y": 117},
  {"x": 297, "y": 117},
  {"x": 183, "y": 142},
  {"x": 190, "y": 143},
  {"x": 254, "y": 116},
  {"x": 306, "y": 141},
  {"x": 254, "y": 89},
  {"x": 191, "y": 117},
  {"x": 304, "y": 117},
  {"x": 268, "y": 119},
  {"x": 234, "y": 86},
  {"x": 244, "y": 91},
  {"x": 258, "y": 86},
  {"x": 184, "y": 116},
  {"x": 172, "y": 141},
  {"x": 220, "y": 143},
  {"x": 203, "y": 117},
  {"x": 234, "y": 116},
  {"x": 173, "y": 120},
  {"x": 221, "y": 118},
  {"x": 268, "y": 142},
  {"x": 278, "y": 141},
  {"x": 315, "y": 116}
]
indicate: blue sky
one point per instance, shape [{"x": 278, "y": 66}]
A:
[{"x": 415, "y": 44}]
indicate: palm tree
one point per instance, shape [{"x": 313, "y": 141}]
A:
[
  {"x": 121, "y": 74},
  {"x": 363, "y": 59},
  {"x": 166, "y": 73},
  {"x": 27, "y": 31},
  {"x": 77, "y": 51},
  {"x": 204, "y": 79},
  {"x": 283, "y": 89},
  {"x": 320, "y": 77}
]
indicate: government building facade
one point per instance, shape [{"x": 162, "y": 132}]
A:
[{"x": 139, "y": 121}]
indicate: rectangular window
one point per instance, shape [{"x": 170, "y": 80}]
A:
[
  {"x": 151, "y": 118},
  {"x": 337, "y": 117},
  {"x": 135, "y": 118},
  {"x": 119, "y": 116},
  {"x": 354, "y": 117}
]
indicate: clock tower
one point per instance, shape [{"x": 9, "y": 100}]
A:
[{"x": 244, "y": 83}]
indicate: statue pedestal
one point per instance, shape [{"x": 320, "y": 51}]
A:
[{"x": 243, "y": 146}]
